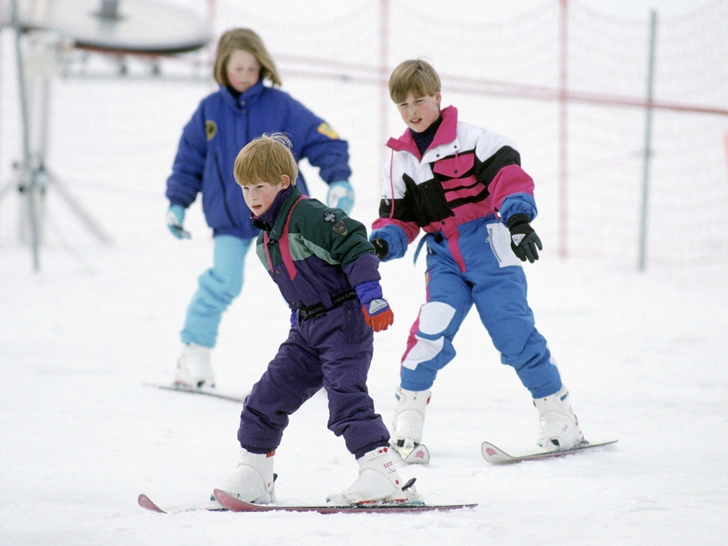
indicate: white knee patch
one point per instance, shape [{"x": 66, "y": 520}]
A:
[
  {"x": 435, "y": 317},
  {"x": 424, "y": 349}
]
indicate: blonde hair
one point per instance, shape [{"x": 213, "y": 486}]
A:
[
  {"x": 246, "y": 40},
  {"x": 265, "y": 159},
  {"x": 414, "y": 76}
]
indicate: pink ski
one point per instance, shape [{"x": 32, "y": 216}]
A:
[{"x": 236, "y": 505}]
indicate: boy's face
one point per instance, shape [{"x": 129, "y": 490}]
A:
[
  {"x": 243, "y": 70},
  {"x": 420, "y": 112},
  {"x": 260, "y": 196}
]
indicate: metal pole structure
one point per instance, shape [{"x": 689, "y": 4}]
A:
[
  {"x": 212, "y": 20},
  {"x": 563, "y": 134},
  {"x": 648, "y": 142},
  {"x": 28, "y": 175},
  {"x": 384, "y": 76}
]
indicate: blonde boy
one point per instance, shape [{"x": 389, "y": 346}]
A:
[{"x": 327, "y": 271}]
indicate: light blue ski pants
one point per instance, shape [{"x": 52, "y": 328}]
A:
[{"x": 218, "y": 287}]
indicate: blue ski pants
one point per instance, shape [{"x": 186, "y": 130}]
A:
[
  {"x": 217, "y": 288},
  {"x": 493, "y": 281}
]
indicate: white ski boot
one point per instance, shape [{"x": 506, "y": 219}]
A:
[
  {"x": 559, "y": 426},
  {"x": 193, "y": 366},
  {"x": 253, "y": 479},
  {"x": 409, "y": 418},
  {"x": 378, "y": 481}
]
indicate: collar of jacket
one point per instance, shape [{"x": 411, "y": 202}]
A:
[
  {"x": 279, "y": 221},
  {"x": 447, "y": 132},
  {"x": 245, "y": 97}
]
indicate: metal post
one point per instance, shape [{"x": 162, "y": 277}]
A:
[
  {"x": 28, "y": 175},
  {"x": 648, "y": 142},
  {"x": 384, "y": 76},
  {"x": 563, "y": 135}
]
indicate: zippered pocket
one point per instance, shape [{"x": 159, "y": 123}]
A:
[{"x": 499, "y": 239}]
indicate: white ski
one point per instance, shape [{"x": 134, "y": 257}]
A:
[
  {"x": 205, "y": 391},
  {"x": 496, "y": 455}
]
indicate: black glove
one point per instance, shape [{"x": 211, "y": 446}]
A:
[
  {"x": 381, "y": 248},
  {"x": 524, "y": 240}
]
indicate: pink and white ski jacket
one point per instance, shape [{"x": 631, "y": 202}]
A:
[{"x": 466, "y": 173}]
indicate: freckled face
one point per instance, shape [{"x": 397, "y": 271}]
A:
[
  {"x": 260, "y": 196},
  {"x": 420, "y": 112},
  {"x": 243, "y": 70}
]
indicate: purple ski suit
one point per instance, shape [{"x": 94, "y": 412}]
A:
[{"x": 316, "y": 255}]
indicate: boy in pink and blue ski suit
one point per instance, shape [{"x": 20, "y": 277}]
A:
[{"x": 464, "y": 187}]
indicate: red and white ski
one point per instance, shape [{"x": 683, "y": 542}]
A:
[
  {"x": 236, "y": 505},
  {"x": 148, "y": 504},
  {"x": 419, "y": 455},
  {"x": 496, "y": 455}
]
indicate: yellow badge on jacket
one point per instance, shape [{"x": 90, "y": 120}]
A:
[
  {"x": 326, "y": 129},
  {"x": 210, "y": 129},
  {"x": 341, "y": 229}
]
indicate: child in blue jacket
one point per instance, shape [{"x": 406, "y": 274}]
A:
[
  {"x": 242, "y": 109},
  {"x": 464, "y": 187},
  {"x": 327, "y": 271}
]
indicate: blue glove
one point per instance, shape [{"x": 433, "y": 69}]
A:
[
  {"x": 390, "y": 242},
  {"x": 175, "y": 219},
  {"x": 341, "y": 196}
]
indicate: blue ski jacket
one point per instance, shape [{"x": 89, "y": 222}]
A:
[{"x": 221, "y": 126}]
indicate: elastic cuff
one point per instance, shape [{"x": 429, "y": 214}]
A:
[{"x": 517, "y": 219}]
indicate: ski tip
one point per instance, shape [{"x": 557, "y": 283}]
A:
[
  {"x": 234, "y": 504},
  {"x": 419, "y": 455},
  {"x": 223, "y": 498},
  {"x": 148, "y": 504}
]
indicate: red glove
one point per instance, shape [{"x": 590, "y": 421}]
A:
[{"x": 378, "y": 315}]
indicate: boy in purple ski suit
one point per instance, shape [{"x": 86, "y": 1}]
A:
[{"x": 327, "y": 271}]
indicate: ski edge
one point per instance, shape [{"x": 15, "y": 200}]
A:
[
  {"x": 495, "y": 455},
  {"x": 191, "y": 390},
  {"x": 236, "y": 505}
]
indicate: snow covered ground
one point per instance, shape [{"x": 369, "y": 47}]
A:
[{"x": 644, "y": 355}]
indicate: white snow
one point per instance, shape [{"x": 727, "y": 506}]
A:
[{"x": 644, "y": 356}]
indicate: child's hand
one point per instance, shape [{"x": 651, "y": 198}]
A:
[
  {"x": 378, "y": 315},
  {"x": 524, "y": 240},
  {"x": 381, "y": 248},
  {"x": 341, "y": 196},
  {"x": 175, "y": 219}
]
